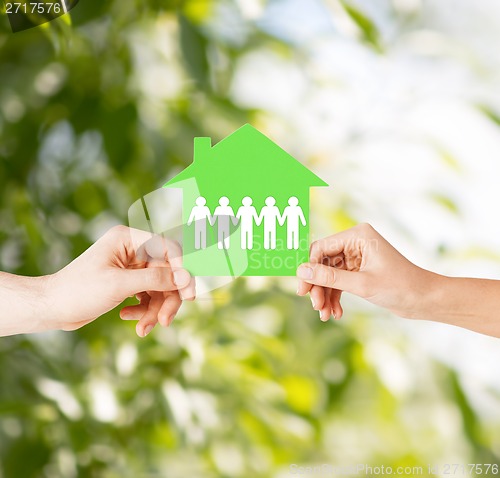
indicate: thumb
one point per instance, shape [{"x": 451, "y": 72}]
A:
[
  {"x": 159, "y": 279},
  {"x": 326, "y": 276}
]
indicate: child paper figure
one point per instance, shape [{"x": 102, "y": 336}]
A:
[
  {"x": 222, "y": 214},
  {"x": 270, "y": 213},
  {"x": 199, "y": 214},
  {"x": 247, "y": 214},
  {"x": 292, "y": 214}
]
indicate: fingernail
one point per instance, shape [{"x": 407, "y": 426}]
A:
[
  {"x": 334, "y": 316},
  {"x": 320, "y": 315},
  {"x": 181, "y": 277},
  {"x": 170, "y": 320},
  {"x": 148, "y": 329},
  {"x": 312, "y": 302},
  {"x": 304, "y": 272}
]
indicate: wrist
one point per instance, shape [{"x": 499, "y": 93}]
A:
[
  {"x": 24, "y": 304},
  {"x": 55, "y": 301},
  {"x": 42, "y": 299},
  {"x": 428, "y": 295},
  {"x": 47, "y": 290}
]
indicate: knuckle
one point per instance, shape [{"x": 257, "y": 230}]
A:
[
  {"x": 116, "y": 231},
  {"x": 174, "y": 243},
  {"x": 330, "y": 276},
  {"x": 173, "y": 249},
  {"x": 364, "y": 226},
  {"x": 324, "y": 275},
  {"x": 315, "y": 249},
  {"x": 156, "y": 247},
  {"x": 312, "y": 248},
  {"x": 367, "y": 229},
  {"x": 158, "y": 276}
]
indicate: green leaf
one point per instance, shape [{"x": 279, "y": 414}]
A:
[
  {"x": 193, "y": 45},
  {"x": 490, "y": 113},
  {"x": 445, "y": 201},
  {"x": 370, "y": 33}
]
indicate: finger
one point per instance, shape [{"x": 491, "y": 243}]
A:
[
  {"x": 303, "y": 288},
  {"x": 317, "y": 295},
  {"x": 150, "y": 318},
  {"x": 164, "y": 249},
  {"x": 133, "y": 281},
  {"x": 357, "y": 238},
  {"x": 326, "y": 310},
  {"x": 154, "y": 249},
  {"x": 337, "y": 311},
  {"x": 143, "y": 245},
  {"x": 142, "y": 296},
  {"x": 339, "y": 262},
  {"x": 326, "y": 276},
  {"x": 127, "y": 238},
  {"x": 172, "y": 252},
  {"x": 336, "y": 261},
  {"x": 169, "y": 309},
  {"x": 133, "y": 312},
  {"x": 329, "y": 246},
  {"x": 189, "y": 292}
]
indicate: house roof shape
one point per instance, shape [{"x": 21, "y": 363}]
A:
[{"x": 246, "y": 156}]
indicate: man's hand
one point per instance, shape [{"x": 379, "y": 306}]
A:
[{"x": 123, "y": 263}]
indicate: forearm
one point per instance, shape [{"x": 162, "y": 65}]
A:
[
  {"x": 24, "y": 304},
  {"x": 469, "y": 303}
]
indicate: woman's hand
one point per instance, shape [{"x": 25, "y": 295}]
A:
[
  {"x": 123, "y": 263},
  {"x": 362, "y": 262}
]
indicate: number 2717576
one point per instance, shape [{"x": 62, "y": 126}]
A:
[{"x": 34, "y": 7}]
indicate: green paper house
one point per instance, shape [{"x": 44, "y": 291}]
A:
[{"x": 245, "y": 207}]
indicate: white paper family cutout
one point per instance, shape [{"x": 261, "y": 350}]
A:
[{"x": 247, "y": 217}]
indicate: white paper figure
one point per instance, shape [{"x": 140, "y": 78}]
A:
[
  {"x": 292, "y": 214},
  {"x": 199, "y": 214},
  {"x": 247, "y": 214},
  {"x": 222, "y": 214},
  {"x": 270, "y": 213}
]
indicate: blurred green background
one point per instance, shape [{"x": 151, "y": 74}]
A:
[{"x": 394, "y": 103}]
